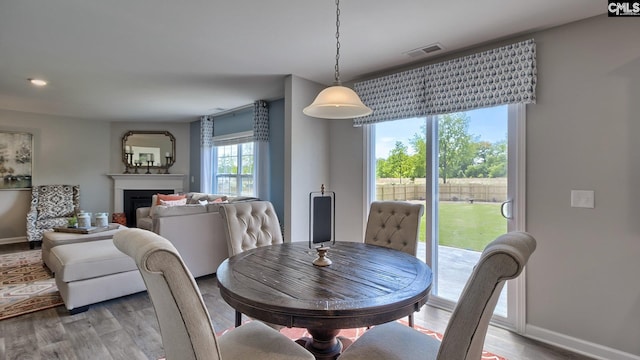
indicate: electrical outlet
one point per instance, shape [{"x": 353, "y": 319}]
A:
[{"x": 583, "y": 199}]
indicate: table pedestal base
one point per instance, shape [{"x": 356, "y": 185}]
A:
[{"x": 324, "y": 344}]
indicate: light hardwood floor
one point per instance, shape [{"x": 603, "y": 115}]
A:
[{"x": 126, "y": 328}]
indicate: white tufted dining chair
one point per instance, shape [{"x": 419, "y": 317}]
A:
[
  {"x": 185, "y": 323},
  {"x": 250, "y": 225},
  {"x": 503, "y": 259},
  {"x": 395, "y": 225}
]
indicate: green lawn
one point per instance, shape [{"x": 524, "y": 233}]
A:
[{"x": 468, "y": 226}]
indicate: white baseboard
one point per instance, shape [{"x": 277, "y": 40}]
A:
[
  {"x": 577, "y": 345},
  {"x": 13, "y": 240}
]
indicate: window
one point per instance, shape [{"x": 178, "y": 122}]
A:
[{"x": 233, "y": 169}]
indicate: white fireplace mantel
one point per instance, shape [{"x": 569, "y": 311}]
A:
[{"x": 123, "y": 182}]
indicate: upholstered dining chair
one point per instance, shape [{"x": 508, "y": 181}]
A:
[
  {"x": 249, "y": 225},
  {"x": 395, "y": 225},
  {"x": 503, "y": 259},
  {"x": 51, "y": 206},
  {"x": 185, "y": 324}
]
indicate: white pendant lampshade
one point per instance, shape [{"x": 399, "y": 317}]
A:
[{"x": 337, "y": 102}]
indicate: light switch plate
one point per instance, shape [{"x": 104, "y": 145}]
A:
[{"x": 583, "y": 199}]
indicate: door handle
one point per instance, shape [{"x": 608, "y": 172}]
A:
[{"x": 505, "y": 209}]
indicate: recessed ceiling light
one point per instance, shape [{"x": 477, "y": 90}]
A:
[{"x": 37, "y": 82}]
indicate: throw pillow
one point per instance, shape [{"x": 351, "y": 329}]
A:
[
  {"x": 166, "y": 197},
  {"x": 173, "y": 202},
  {"x": 170, "y": 197}
]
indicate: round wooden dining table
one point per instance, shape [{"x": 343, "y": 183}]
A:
[{"x": 365, "y": 285}]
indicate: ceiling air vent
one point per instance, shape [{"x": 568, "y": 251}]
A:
[{"x": 424, "y": 50}]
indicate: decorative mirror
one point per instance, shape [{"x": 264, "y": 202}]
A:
[{"x": 148, "y": 150}]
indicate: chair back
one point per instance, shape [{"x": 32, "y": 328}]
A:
[
  {"x": 502, "y": 259},
  {"x": 250, "y": 225},
  {"x": 185, "y": 325},
  {"x": 51, "y": 206},
  {"x": 394, "y": 224}
]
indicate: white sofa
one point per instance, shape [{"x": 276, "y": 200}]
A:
[{"x": 196, "y": 230}]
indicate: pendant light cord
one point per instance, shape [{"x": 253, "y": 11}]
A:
[{"x": 337, "y": 67}]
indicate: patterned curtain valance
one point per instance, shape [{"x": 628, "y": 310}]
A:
[
  {"x": 506, "y": 75},
  {"x": 392, "y": 97},
  {"x": 206, "y": 131},
  {"x": 261, "y": 120}
]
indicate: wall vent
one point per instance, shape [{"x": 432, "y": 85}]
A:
[{"x": 424, "y": 50}]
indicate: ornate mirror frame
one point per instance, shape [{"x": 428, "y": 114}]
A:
[{"x": 150, "y": 148}]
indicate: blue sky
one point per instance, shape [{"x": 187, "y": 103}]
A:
[{"x": 488, "y": 124}]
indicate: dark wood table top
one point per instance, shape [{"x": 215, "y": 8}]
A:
[{"x": 365, "y": 285}]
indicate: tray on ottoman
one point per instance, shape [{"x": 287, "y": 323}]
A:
[{"x": 89, "y": 230}]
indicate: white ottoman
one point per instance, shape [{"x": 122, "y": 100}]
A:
[
  {"x": 91, "y": 272},
  {"x": 51, "y": 239}
]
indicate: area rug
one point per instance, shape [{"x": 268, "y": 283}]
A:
[{"x": 25, "y": 284}]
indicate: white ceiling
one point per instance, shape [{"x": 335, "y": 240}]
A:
[{"x": 167, "y": 60}]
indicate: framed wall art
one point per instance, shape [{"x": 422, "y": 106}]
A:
[{"x": 16, "y": 155}]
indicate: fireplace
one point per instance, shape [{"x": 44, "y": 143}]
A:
[
  {"x": 142, "y": 187},
  {"x": 134, "y": 199}
]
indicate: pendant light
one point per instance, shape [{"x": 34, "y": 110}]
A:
[{"x": 337, "y": 101}]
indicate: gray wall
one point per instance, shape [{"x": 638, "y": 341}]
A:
[
  {"x": 75, "y": 151},
  {"x": 583, "y": 133}
]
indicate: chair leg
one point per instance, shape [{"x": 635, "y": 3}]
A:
[
  {"x": 238, "y": 318},
  {"x": 411, "y": 320}
]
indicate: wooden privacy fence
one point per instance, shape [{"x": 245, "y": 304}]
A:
[{"x": 448, "y": 192}]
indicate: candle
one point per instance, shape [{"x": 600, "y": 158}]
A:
[
  {"x": 129, "y": 149},
  {"x": 151, "y": 157},
  {"x": 166, "y": 154}
]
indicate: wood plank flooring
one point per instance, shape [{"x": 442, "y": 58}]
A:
[{"x": 126, "y": 328}]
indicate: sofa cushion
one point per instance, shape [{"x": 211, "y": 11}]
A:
[
  {"x": 173, "y": 202},
  {"x": 162, "y": 211},
  {"x": 55, "y": 201},
  {"x": 196, "y": 198}
]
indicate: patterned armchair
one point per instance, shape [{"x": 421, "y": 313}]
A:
[{"x": 51, "y": 205}]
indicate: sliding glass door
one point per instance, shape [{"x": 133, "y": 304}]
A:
[{"x": 465, "y": 167}]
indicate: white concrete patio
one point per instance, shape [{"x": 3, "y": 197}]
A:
[{"x": 454, "y": 267}]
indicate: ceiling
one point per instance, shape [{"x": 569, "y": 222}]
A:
[{"x": 167, "y": 60}]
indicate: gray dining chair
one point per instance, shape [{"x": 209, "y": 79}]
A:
[
  {"x": 185, "y": 324},
  {"x": 249, "y": 225},
  {"x": 395, "y": 225},
  {"x": 503, "y": 259}
]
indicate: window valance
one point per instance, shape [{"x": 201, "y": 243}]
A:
[
  {"x": 504, "y": 75},
  {"x": 233, "y": 139},
  {"x": 392, "y": 97}
]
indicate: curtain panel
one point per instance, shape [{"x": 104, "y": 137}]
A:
[
  {"x": 504, "y": 75},
  {"x": 261, "y": 120},
  {"x": 206, "y": 149},
  {"x": 206, "y": 131}
]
